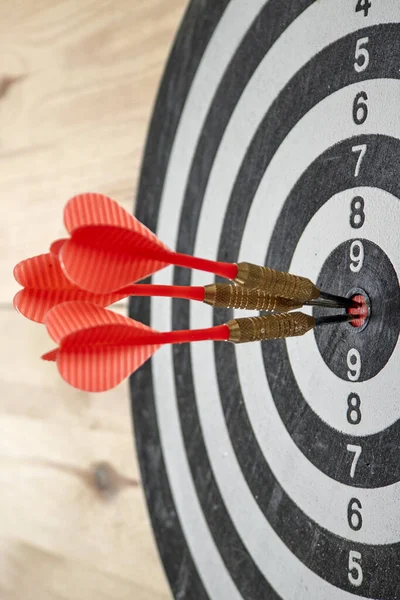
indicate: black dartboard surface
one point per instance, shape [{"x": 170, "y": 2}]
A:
[{"x": 272, "y": 471}]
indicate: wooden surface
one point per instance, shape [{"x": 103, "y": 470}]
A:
[{"x": 77, "y": 82}]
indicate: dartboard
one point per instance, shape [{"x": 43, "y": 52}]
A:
[{"x": 272, "y": 470}]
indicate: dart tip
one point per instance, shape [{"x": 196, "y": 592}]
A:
[
  {"x": 334, "y": 319},
  {"x": 332, "y": 301}
]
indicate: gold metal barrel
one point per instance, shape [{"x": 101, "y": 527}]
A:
[
  {"x": 270, "y": 327},
  {"x": 276, "y": 283},
  {"x": 220, "y": 295}
]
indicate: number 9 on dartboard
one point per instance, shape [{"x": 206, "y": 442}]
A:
[{"x": 272, "y": 469}]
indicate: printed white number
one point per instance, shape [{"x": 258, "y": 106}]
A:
[
  {"x": 362, "y": 149},
  {"x": 357, "y": 453},
  {"x": 355, "y": 571},
  {"x": 361, "y": 55},
  {"x": 354, "y": 364},
  {"x": 356, "y": 256}
]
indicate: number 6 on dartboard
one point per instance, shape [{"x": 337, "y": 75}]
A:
[
  {"x": 360, "y": 108},
  {"x": 354, "y": 516}
]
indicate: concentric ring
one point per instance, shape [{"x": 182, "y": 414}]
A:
[{"x": 197, "y": 447}]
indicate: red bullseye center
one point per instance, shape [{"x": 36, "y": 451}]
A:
[{"x": 360, "y": 312}]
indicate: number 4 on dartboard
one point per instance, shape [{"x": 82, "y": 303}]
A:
[{"x": 363, "y": 6}]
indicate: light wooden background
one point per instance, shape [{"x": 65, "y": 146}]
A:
[{"x": 77, "y": 82}]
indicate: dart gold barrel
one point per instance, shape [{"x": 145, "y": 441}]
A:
[
  {"x": 276, "y": 283},
  {"x": 270, "y": 327},
  {"x": 220, "y": 295}
]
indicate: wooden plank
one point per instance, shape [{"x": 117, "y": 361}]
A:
[
  {"x": 78, "y": 80},
  {"x": 48, "y": 576},
  {"x": 70, "y": 500}
]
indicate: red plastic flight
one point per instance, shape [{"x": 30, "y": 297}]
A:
[
  {"x": 109, "y": 248},
  {"x": 99, "y": 349},
  {"x": 45, "y": 286}
]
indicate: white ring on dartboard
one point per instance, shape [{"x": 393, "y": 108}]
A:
[
  {"x": 226, "y": 39},
  {"x": 316, "y": 243},
  {"x": 296, "y": 474},
  {"x": 243, "y": 193},
  {"x": 332, "y": 592},
  {"x": 379, "y": 463}
]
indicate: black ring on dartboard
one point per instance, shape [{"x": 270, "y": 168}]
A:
[
  {"x": 153, "y": 469},
  {"x": 377, "y": 341},
  {"x": 297, "y": 531},
  {"x": 379, "y": 464},
  {"x": 200, "y": 22}
]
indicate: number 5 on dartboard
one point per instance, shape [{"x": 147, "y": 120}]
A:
[
  {"x": 355, "y": 573},
  {"x": 361, "y": 55}
]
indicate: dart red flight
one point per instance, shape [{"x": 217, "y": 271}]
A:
[
  {"x": 98, "y": 349},
  {"x": 109, "y": 248},
  {"x": 45, "y": 286}
]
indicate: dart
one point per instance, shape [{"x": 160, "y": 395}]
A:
[
  {"x": 45, "y": 286},
  {"x": 98, "y": 349},
  {"x": 109, "y": 248}
]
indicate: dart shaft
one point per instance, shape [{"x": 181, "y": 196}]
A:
[
  {"x": 182, "y": 336},
  {"x": 167, "y": 291},
  {"x": 223, "y": 269}
]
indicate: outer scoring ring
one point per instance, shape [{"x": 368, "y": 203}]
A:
[{"x": 316, "y": 586}]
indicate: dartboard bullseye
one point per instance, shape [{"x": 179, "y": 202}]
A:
[{"x": 271, "y": 470}]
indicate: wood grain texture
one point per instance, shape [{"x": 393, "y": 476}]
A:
[{"x": 78, "y": 80}]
